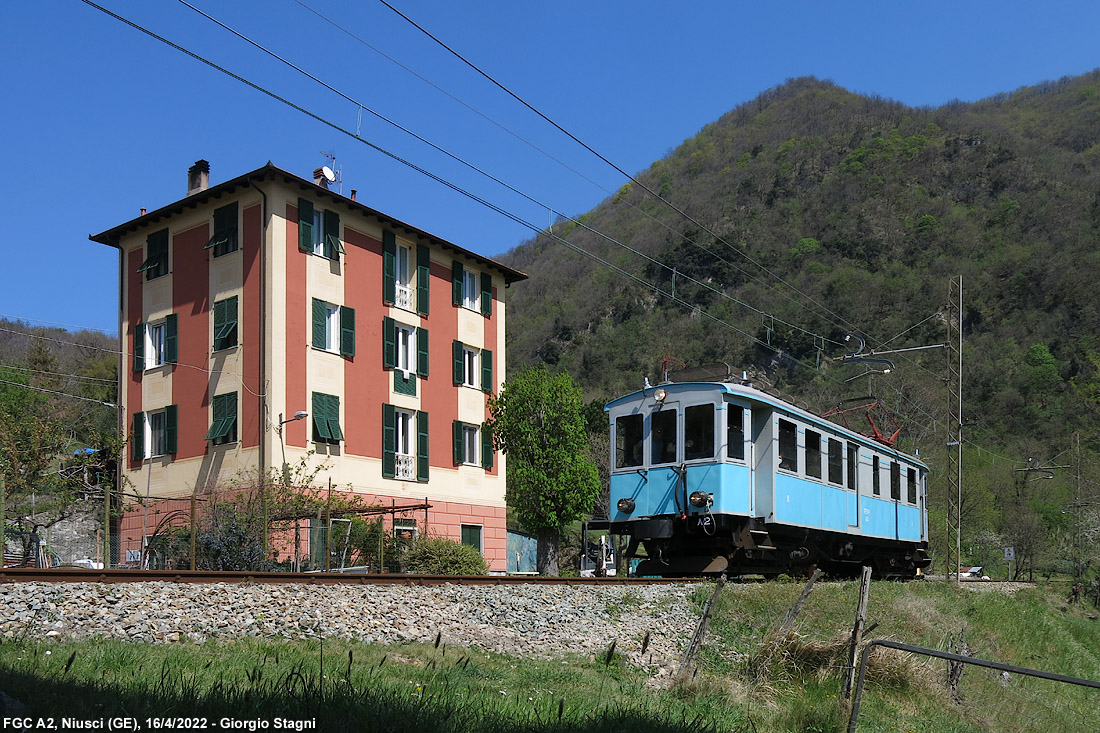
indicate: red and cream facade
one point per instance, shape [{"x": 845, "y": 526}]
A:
[{"x": 252, "y": 301}]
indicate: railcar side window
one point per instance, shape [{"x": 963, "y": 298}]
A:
[
  {"x": 628, "y": 441},
  {"x": 662, "y": 446},
  {"x": 788, "y": 446},
  {"x": 836, "y": 461},
  {"x": 895, "y": 480},
  {"x": 876, "y": 480},
  {"x": 813, "y": 454},
  {"x": 735, "y": 432},
  {"x": 911, "y": 489},
  {"x": 699, "y": 432},
  {"x": 853, "y": 464}
]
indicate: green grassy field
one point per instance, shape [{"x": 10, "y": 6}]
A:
[{"x": 746, "y": 679}]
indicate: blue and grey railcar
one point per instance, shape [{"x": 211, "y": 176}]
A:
[{"x": 716, "y": 477}]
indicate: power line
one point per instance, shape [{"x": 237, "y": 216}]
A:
[
  {"x": 24, "y": 319},
  {"x": 61, "y": 394},
  {"x": 587, "y": 147},
  {"x": 56, "y": 374},
  {"x": 493, "y": 178}
]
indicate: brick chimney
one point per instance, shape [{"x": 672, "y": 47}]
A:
[
  {"x": 198, "y": 177},
  {"x": 319, "y": 178}
]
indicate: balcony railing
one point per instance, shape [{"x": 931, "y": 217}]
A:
[
  {"x": 404, "y": 297},
  {"x": 405, "y": 467}
]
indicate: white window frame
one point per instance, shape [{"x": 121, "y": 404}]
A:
[
  {"x": 405, "y": 452},
  {"x": 471, "y": 290},
  {"x": 156, "y": 433},
  {"x": 405, "y": 348},
  {"x": 332, "y": 328},
  {"x": 471, "y": 367},
  {"x": 471, "y": 445},
  {"x": 402, "y": 279},
  {"x": 405, "y": 525},
  {"x": 155, "y": 336},
  {"x": 318, "y": 231}
]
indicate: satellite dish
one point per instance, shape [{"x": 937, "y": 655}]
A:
[{"x": 328, "y": 174}]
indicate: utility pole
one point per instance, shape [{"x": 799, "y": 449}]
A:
[{"x": 955, "y": 425}]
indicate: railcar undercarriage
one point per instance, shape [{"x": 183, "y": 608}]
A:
[{"x": 713, "y": 544}]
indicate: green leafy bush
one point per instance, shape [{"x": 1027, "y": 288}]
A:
[{"x": 441, "y": 556}]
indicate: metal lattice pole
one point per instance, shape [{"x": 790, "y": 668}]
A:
[{"x": 955, "y": 423}]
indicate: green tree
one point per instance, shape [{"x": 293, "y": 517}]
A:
[{"x": 538, "y": 421}]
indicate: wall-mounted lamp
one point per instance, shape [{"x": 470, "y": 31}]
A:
[{"x": 299, "y": 415}]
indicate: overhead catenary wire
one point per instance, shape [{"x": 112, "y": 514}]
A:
[
  {"x": 62, "y": 394},
  {"x": 495, "y": 179},
  {"x": 56, "y": 374}
]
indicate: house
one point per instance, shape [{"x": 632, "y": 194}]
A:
[{"x": 269, "y": 320}]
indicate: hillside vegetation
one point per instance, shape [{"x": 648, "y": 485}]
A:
[{"x": 822, "y": 213}]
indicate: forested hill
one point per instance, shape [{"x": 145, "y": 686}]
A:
[{"x": 838, "y": 213}]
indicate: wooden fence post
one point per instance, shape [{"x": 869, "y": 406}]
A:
[{"x": 857, "y": 632}]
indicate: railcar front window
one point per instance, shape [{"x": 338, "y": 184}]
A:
[
  {"x": 836, "y": 461},
  {"x": 911, "y": 488},
  {"x": 699, "y": 432},
  {"x": 788, "y": 446},
  {"x": 813, "y": 454},
  {"x": 628, "y": 441},
  {"x": 895, "y": 480},
  {"x": 735, "y": 433},
  {"x": 662, "y": 446}
]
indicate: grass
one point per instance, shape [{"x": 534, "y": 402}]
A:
[{"x": 747, "y": 678}]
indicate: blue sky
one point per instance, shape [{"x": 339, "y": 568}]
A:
[{"x": 101, "y": 120}]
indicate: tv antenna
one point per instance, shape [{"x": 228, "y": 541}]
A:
[{"x": 331, "y": 173}]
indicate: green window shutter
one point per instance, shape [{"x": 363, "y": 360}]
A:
[
  {"x": 229, "y": 412},
  {"x": 139, "y": 347},
  {"x": 389, "y": 267},
  {"x": 389, "y": 344},
  {"x": 321, "y": 432},
  {"x": 347, "y": 331},
  {"x": 486, "y": 294},
  {"x": 422, "y": 351},
  {"x": 333, "y": 245},
  {"x": 389, "y": 441},
  {"x": 216, "y": 425},
  {"x": 423, "y": 279},
  {"x": 231, "y": 320},
  {"x": 456, "y": 435},
  {"x": 225, "y": 416},
  {"x": 458, "y": 356},
  {"x": 456, "y": 283},
  {"x": 225, "y": 230},
  {"x": 137, "y": 439},
  {"x": 219, "y": 320},
  {"x": 171, "y": 423},
  {"x": 486, "y": 370},
  {"x": 320, "y": 312},
  {"x": 305, "y": 225},
  {"x": 171, "y": 341},
  {"x": 486, "y": 446},
  {"x": 421, "y": 446},
  {"x": 334, "y": 418}
]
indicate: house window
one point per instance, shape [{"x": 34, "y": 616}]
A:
[
  {"x": 154, "y": 433},
  {"x": 223, "y": 430},
  {"x": 473, "y": 445},
  {"x": 326, "y": 419},
  {"x": 813, "y": 454},
  {"x": 470, "y": 290},
  {"x": 404, "y": 444},
  {"x": 404, "y": 529},
  {"x": 156, "y": 344},
  {"x": 318, "y": 230},
  {"x": 224, "y": 240},
  {"x": 333, "y": 328},
  {"x": 471, "y": 535},
  {"x": 788, "y": 446},
  {"x": 470, "y": 444},
  {"x": 225, "y": 323},
  {"x": 404, "y": 453},
  {"x": 403, "y": 294},
  {"x": 156, "y": 255},
  {"x": 469, "y": 372},
  {"x": 473, "y": 367},
  {"x": 836, "y": 461},
  {"x": 735, "y": 432},
  {"x": 404, "y": 348},
  {"x": 628, "y": 441},
  {"x": 662, "y": 444},
  {"x": 699, "y": 432}
]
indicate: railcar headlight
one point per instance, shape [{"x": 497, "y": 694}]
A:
[
  {"x": 625, "y": 505},
  {"x": 699, "y": 499},
  {"x": 660, "y": 395}
]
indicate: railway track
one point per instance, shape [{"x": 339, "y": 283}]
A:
[{"x": 79, "y": 575}]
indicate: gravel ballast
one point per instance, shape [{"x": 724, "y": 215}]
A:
[{"x": 514, "y": 619}]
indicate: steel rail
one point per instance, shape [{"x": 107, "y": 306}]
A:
[{"x": 80, "y": 575}]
